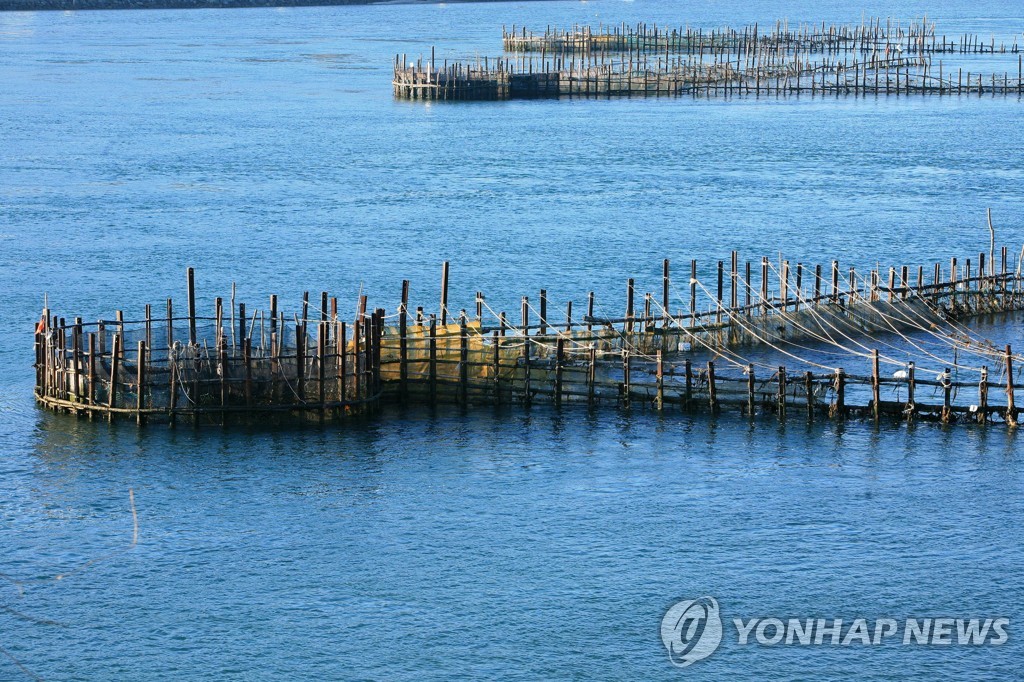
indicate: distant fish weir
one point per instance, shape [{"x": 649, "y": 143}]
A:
[
  {"x": 870, "y": 59},
  {"x": 244, "y": 365}
]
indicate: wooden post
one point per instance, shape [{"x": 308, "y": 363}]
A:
[
  {"x": 191, "y": 306},
  {"x": 149, "y": 326},
  {"x": 543, "y": 312},
  {"x": 91, "y": 369},
  {"x": 627, "y": 388},
  {"x": 300, "y": 361},
  {"x": 835, "y": 281},
  {"x": 403, "y": 347},
  {"x": 342, "y": 341},
  {"x": 840, "y": 406},
  {"x": 444, "y": 293},
  {"x": 782, "y": 393},
  {"x": 720, "y": 293},
  {"x": 321, "y": 365},
  {"x": 911, "y": 390},
  {"x": 693, "y": 291},
  {"x": 222, "y": 359},
  {"x": 751, "y": 390},
  {"x": 496, "y": 364},
  {"x": 170, "y": 324},
  {"x": 463, "y": 361},
  {"x": 432, "y": 360},
  {"x": 799, "y": 285},
  {"x": 747, "y": 288},
  {"x": 219, "y": 324},
  {"x": 274, "y": 333},
  {"x": 665, "y": 302},
  {"x": 378, "y": 337},
  {"x": 784, "y": 286},
  {"x": 764, "y": 284},
  {"x": 876, "y": 386},
  {"x": 357, "y": 357},
  {"x": 733, "y": 276},
  {"x": 1011, "y": 405},
  {"x": 247, "y": 359},
  {"x": 591, "y": 375},
  {"x": 983, "y": 396},
  {"x": 115, "y": 363},
  {"x": 76, "y": 360},
  {"x": 140, "y": 380},
  {"x": 809, "y": 392},
  {"x": 172, "y": 398},
  {"x": 527, "y": 394},
  {"x": 559, "y": 358},
  {"x": 241, "y": 324},
  {"x": 947, "y": 395},
  {"x": 629, "y": 306},
  {"x": 660, "y": 375},
  {"x": 688, "y": 369},
  {"x": 712, "y": 388}
]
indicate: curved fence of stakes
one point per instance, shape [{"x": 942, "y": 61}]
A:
[
  {"x": 242, "y": 364},
  {"x": 873, "y": 58}
]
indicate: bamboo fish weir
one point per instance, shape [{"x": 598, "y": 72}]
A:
[
  {"x": 870, "y": 59},
  {"x": 915, "y": 37},
  {"x": 698, "y": 345}
]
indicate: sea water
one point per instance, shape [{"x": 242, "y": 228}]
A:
[{"x": 263, "y": 147}]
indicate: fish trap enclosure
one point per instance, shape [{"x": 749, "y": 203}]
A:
[
  {"x": 870, "y": 59},
  {"x": 246, "y": 365},
  {"x": 914, "y": 37}
]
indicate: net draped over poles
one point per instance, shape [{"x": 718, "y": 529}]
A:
[{"x": 760, "y": 337}]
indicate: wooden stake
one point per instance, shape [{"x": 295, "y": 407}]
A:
[
  {"x": 782, "y": 393},
  {"x": 432, "y": 360},
  {"x": 543, "y": 312},
  {"x": 751, "y": 388},
  {"x": 1011, "y": 405},
  {"x": 660, "y": 374},
  {"x": 876, "y": 385},
  {"x": 463, "y": 362},
  {"x": 665, "y": 303},
  {"x": 712, "y": 387},
  {"x": 191, "y": 306},
  {"x": 140, "y": 379},
  {"x": 444, "y": 293},
  {"x": 983, "y": 396},
  {"x": 809, "y": 392},
  {"x": 559, "y": 359},
  {"x": 115, "y": 363}
]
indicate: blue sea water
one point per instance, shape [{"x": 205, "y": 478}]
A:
[{"x": 264, "y": 147}]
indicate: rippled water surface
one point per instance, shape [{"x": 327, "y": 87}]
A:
[{"x": 264, "y": 147}]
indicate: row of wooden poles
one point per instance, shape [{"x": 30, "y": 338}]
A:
[
  {"x": 624, "y": 61},
  {"x": 313, "y": 364},
  {"x": 248, "y": 366},
  {"x": 647, "y": 75},
  {"x": 915, "y": 38}
]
